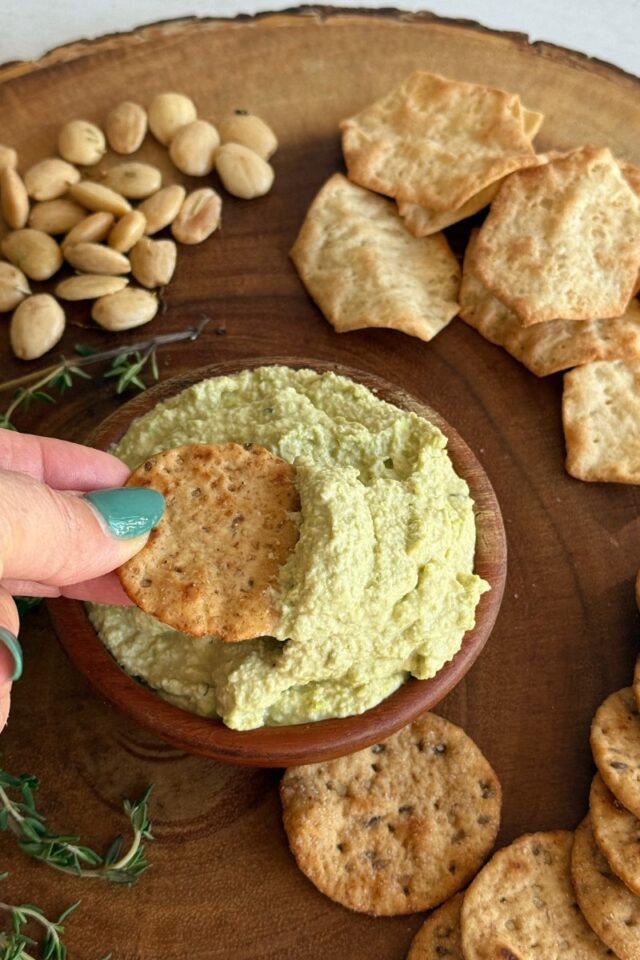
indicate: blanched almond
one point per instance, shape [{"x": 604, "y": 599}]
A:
[
  {"x": 36, "y": 326},
  {"x": 167, "y": 113},
  {"x": 89, "y": 286},
  {"x": 82, "y": 142},
  {"x": 126, "y": 126},
  {"x": 199, "y": 216},
  {"x": 243, "y": 173},
  {"x": 126, "y": 309},
  {"x": 193, "y": 148},
  {"x": 14, "y": 286},
  {"x": 56, "y": 216},
  {"x": 92, "y": 229},
  {"x": 162, "y": 208},
  {"x": 126, "y": 232},
  {"x": 50, "y": 178},
  {"x": 153, "y": 262},
  {"x": 133, "y": 180},
  {"x": 250, "y": 131},
  {"x": 34, "y": 252},
  {"x": 95, "y": 258},
  {"x": 14, "y": 199},
  {"x": 8, "y": 157},
  {"x": 95, "y": 196}
]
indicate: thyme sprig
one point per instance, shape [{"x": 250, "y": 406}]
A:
[
  {"x": 127, "y": 365},
  {"x": 14, "y": 943},
  {"x": 63, "y": 851}
]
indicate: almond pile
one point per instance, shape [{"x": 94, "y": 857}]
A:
[{"x": 104, "y": 223}]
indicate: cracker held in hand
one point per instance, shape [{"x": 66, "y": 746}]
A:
[
  {"x": 398, "y": 827},
  {"x": 611, "y": 909},
  {"x": 436, "y": 142},
  {"x": 439, "y": 935},
  {"x": 617, "y": 833},
  {"x": 601, "y": 419},
  {"x": 521, "y": 906},
  {"x": 562, "y": 240},
  {"x": 548, "y": 347},
  {"x": 228, "y": 527},
  {"x": 364, "y": 269},
  {"x": 615, "y": 743}
]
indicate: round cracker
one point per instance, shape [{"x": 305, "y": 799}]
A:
[
  {"x": 439, "y": 936},
  {"x": 617, "y": 833},
  {"x": 228, "y": 526},
  {"x": 615, "y": 742},
  {"x": 521, "y": 905},
  {"x": 398, "y": 827},
  {"x": 611, "y": 909}
]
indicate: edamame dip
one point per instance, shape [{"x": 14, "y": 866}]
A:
[{"x": 380, "y": 585}]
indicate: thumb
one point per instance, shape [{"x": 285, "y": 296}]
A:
[{"x": 58, "y": 538}]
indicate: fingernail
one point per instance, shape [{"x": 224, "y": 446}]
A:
[
  {"x": 128, "y": 511},
  {"x": 12, "y": 644}
]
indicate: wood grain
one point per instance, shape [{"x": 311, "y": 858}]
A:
[{"x": 223, "y": 884}]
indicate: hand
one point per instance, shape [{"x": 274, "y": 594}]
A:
[{"x": 66, "y": 524}]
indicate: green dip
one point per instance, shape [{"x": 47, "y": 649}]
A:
[{"x": 380, "y": 584}]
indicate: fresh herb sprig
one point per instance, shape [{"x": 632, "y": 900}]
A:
[
  {"x": 14, "y": 944},
  {"x": 64, "y": 852},
  {"x": 127, "y": 365}
]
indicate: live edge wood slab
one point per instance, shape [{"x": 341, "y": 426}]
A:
[{"x": 223, "y": 884}]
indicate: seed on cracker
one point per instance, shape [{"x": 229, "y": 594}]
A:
[
  {"x": 398, "y": 827},
  {"x": 439, "y": 935},
  {"x": 436, "y": 142},
  {"x": 615, "y": 743},
  {"x": 562, "y": 240},
  {"x": 545, "y": 348},
  {"x": 617, "y": 833},
  {"x": 521, "y": 906},
  {"x": 364, "y": 269},
  {"x": 228, "y": 527},
  {"x": 601, "y": 420},
  {"x": 611, "y": 909}
]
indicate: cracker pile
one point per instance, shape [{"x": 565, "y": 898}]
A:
[
  {"x": 551, "y": 275},
  {"x": 398, "y": 827}
]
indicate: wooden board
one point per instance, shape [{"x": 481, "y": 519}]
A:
[{"x": 223, "y": 884}]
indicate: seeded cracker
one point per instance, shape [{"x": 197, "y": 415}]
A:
[
  {"x": 601, "y": 419},
  {"x": 227, "y": 528},
  {"x": 617, "y": 833},
  {"x": 611, "y": 909},
  {"x": 439, "y": 935},
  {"x": 548, "y": 347},
  {"x": 615, "y": 742},
  {"x": 398, "y": 827},
  {"x": 521, "y": 905},
  {"x": 562, "y": 240},
  {"x": 436, "y": 142},
  {"x": 364, "y": 269}
]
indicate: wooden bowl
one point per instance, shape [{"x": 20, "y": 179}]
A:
[{"x": 307, "y": 742}]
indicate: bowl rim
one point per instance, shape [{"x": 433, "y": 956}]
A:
[{"x": 313, "y": 741}]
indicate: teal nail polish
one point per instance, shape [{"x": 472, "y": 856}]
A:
[
  {"x": 12, "y": 644},
  {"x": 128, "y": 511}
]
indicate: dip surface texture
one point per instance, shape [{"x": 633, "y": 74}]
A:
[{"x": 380, "y": 584}]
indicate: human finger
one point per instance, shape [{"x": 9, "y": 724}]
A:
[
  {"x": 60, "y": 538},
  {"x": 10, "y": 652},
  {"x": 59, "y": 463}
]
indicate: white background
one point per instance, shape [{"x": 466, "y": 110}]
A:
[{"x": 607, "y": 29}]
